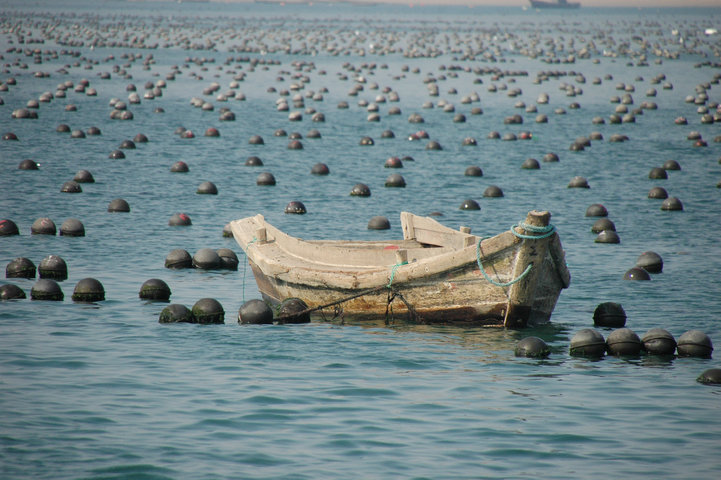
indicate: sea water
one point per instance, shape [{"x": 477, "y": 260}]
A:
[{"x": 102, "y": 390}]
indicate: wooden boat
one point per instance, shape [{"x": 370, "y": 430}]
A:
[{"x": 432, "y": 275}]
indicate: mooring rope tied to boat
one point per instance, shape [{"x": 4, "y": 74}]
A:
[
  {"x": 245, "y": 264},
  {"x": 545, "y": 231},
  {"x": 392, "y": 294},
  {"x": 393, "y": 273}
]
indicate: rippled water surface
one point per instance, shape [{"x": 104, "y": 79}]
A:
[{"x": 104, "y": 391}]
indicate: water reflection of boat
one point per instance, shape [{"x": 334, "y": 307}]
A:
[
  {"x": 435, "y": 274},
  {"x": 554, "y": 4}
]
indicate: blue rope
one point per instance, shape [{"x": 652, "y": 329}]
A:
[
  {"x": 547, "y": 231},
  {"x": 490, "y": 280},
  {"x": 393, "y": 272},
  {"x": 245, "y": 264}
]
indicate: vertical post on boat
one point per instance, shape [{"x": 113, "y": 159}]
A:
[{"x": 532, "y": 251}]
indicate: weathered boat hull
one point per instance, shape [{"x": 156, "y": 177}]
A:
[{"x": 447, "y": 287}]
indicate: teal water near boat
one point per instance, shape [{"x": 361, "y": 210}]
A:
[{"x": 103, "y": 391}]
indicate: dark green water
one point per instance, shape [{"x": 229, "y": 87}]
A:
[{"x": 104, "y": 391}]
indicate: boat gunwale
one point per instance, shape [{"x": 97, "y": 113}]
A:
[{"x": 275, "y": 259}]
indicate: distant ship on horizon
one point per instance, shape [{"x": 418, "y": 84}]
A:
[{"x": 554, "y": 4}]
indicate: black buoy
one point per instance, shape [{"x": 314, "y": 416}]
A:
[
  {"x": 433, "y": 145},
  {"x": 636, "y": 273},
  {"x": 9, "y": 291},
  {"x": 671, "y": 165},
  {"x": 265, "y": 179},
  {"x": 207, "y": 188},
  {"x": 43, "y": 226},
  {"x": 361, "y": 190},
  {"x": 84, "y": 176},
  {"x": 46, "y": 289},
  {"x": 28, "y": 164},
  {"x": 694, "y": 343},
  {"x": 88, "y": 290},
  {"x": 533, "y": 347},
  {"x": 712, "y": 376},
  {"x": 672, "y": 204},
  {"x": 178, "y": 258},
  {"x": 607, "y": 236},
  {"x": 596, "y": 210},
  {"x": 140, "y": 138},
  {"x": 256, "y": 140},
  {"x": 550, "y": 157},
  {"x": 473, "y": 171},
  {"x": 228, "y": 259},
  {"x": 208, "y": 311},
  {"x": 293, "y": 310},
  {"x": 395, "y": 180},
  {"x": 118, "y": 205},
  {"x": 493, "y": 191},
  {"x": 253, "y": 161},
  {"x": 176, "y": 313},
  {"x": 623, "y": 342},
  {"x": 295, "y": 145},
  {"x": 379, "y": 223},
  {"x": 179, "y": 220},
  {"x": 72, "y": 227},
  {"x": 603, "y": 224},
  {"x": 366, "y": 141},
  {"x": 658, "y": 341},
  {"x": 530, "y": 164},
  {"x": 470, "y": 204},
  {"x": 71, "y": 186},
  {"x": 8, "y": 227},
  {"x": 587, "y": 343},
  {"x": 295, "y": 207},
  {"x": 21, "y": 267},
  {"x": 116, "y": 155},
  {"x": 154, "y": 289},
  {"x": 127, "y": 145},
  {"x": 609, "y": 314},
  {"x": 320, "y": 169},
  {"x": 179, "y": 167},
  {"x": 206, "y": 259},
  {"x": 650, "y": 261},
  {"x": 658, "y": 193},
  {"x": 53, "y": 266},
  {"x": 255, "y": 312},
  {"x": 657, "y": 173},
  {"x": 393, "y": 162},
  {"x": 578, "y": 182}
]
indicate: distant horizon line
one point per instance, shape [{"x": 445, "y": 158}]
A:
[{"x": 470, "y": 4}]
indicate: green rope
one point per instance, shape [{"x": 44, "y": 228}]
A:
[
  {"x": 245, "y": 264},
  {"x": 490, "y": 280},
  {"x": 393, "y": 272},
  {"x": 546, "y": 231}
]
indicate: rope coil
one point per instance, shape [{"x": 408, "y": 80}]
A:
[{"x": 546, "y": 231}]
